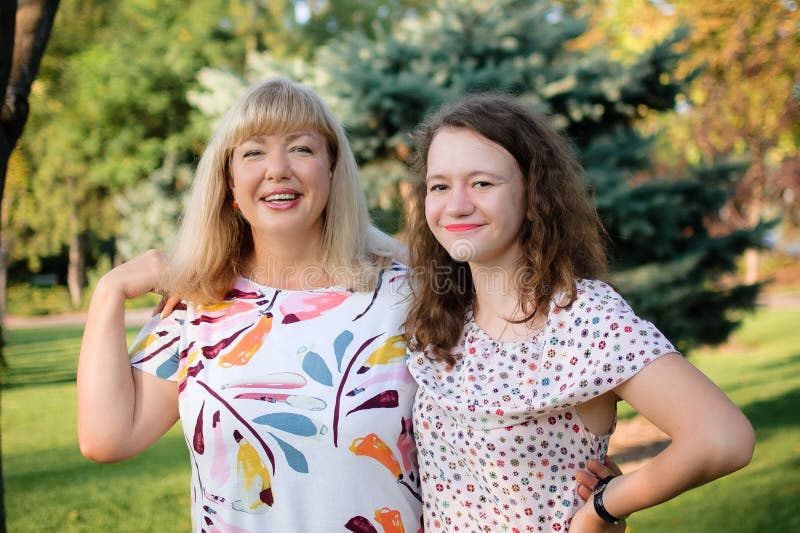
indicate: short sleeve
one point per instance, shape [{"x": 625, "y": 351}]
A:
[
  {"x": 595, "y": 345},
  {"x": 157, "y": 347}
]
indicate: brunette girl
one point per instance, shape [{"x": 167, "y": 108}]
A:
[{"x": 521, "y": 351}]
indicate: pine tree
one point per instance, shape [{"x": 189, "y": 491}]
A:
[{"x": 666, "y": 260}]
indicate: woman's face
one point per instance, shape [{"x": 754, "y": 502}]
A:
[
  {"x": 475, "y": 200},
  {"x": 282, "y": 183}
]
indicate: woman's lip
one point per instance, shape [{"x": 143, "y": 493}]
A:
[
  {"x": 283, "y": 205},
  {"x": 461, "y": 227}
]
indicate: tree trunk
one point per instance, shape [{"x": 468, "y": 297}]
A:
[
  {"x": 76, "y": 270},
  {"x": 24, "y": 31},
  {"x": 757, "y": 176}
]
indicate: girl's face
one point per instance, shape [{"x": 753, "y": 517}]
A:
[
  {"x": 475, "y": 201},
  {"x": 282, "y": 183}
]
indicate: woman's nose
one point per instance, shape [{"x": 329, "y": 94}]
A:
[{"x": 277, "y": 165}]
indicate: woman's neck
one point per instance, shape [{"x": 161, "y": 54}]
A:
[{"x": 287, "y": 263}]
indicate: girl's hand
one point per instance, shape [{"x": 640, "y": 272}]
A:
[
  {"x": 140, "y": 275},
  {"x": 587, "y": 479},
  {"x": 587, "y": 521}
]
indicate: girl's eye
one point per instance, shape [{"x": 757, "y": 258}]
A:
[
  {"x": 437, "y": 187},
  {"x": 481, "y": 184}
]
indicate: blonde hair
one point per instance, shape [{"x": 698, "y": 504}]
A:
[{"x": 214, "y": 243}]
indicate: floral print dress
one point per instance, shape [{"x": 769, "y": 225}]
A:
[
  {"x": 498, "y": 433},
  {"x": 295, "y": 406}
]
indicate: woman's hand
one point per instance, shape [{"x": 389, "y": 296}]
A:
[
  {"x": 140, "y": 275},
  {"x": 167, "y": 305}
]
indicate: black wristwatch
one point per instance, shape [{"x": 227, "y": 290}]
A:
[{"x": 599, "y": 508}]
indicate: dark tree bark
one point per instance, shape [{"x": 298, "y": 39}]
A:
[{"x": 24, "y": 31}]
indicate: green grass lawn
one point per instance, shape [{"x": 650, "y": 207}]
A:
[{"x": 51, "y": 487}]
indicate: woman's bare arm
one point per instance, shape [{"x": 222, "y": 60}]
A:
[{"x": 121, "y": 411}]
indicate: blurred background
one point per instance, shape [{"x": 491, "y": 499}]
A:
[{"x": 681, "y": 111}]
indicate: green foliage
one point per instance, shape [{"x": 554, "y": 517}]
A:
[
  {"x": 668, "y": 262},
  {"x": 31, "y": 300}
]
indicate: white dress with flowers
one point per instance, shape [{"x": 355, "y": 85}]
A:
[
  {"x": 296, "y": 408},
  {"x": 498, "y": 434}
]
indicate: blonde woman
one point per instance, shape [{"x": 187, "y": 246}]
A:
[{"x": 285, "y": 361}]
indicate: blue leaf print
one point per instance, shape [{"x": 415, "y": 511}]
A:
[
  {"x": 316, "y": 369},
  {"x": 168, "y": 367},
  {"x": 297, "y": 461},
  {"x": 340, "y": 345},
  {"x": 289, "y": 422}
]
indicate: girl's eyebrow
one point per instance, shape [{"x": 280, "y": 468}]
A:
[{"x": 472, "y": 174}]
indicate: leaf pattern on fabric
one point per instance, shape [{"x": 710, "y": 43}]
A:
[
  {"x": 390, "y": 520},
  {"x": 307, "y": 305},
  {"x": 341, "y": 343},
  {"x": 247, "y": 347},
  {"x": 154, "y": 353},
  {"x": 398, "y": 374},
  {"x": 284, "y": 386},
  {"x": 371, "y": 445},
  {"x": 253, "y": 482},
  {"x": 211, "y": 352},
  {"x": 359, "y": 524},
  {"x": 276, "y": 380},
  {"x": 314, "y": 365},
  {"x": 222, "y": 311},
  {"x": 295, "y": 459},
  {"x": 219, "y": 467},
  {"x": 309, "y": 403},
  {"x": 382, "y": 400},
  {"x": 407, "y": 446},
  {"x": 393, "y": 350},
  {"x": 198, "y": 442},
  {"x": 289, "y": 422}
]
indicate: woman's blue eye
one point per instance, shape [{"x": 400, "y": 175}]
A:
[{"x": 302, "y": 149}]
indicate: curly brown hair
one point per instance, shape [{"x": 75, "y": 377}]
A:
[{"x": 561, "y": 235}]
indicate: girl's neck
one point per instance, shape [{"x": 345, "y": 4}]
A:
[{"x": 497, "y": 305}]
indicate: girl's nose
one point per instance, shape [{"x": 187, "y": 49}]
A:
[{"x": 459, "y": 202}]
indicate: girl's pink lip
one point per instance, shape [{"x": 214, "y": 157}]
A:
[{"x": 461, "y": 227}]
